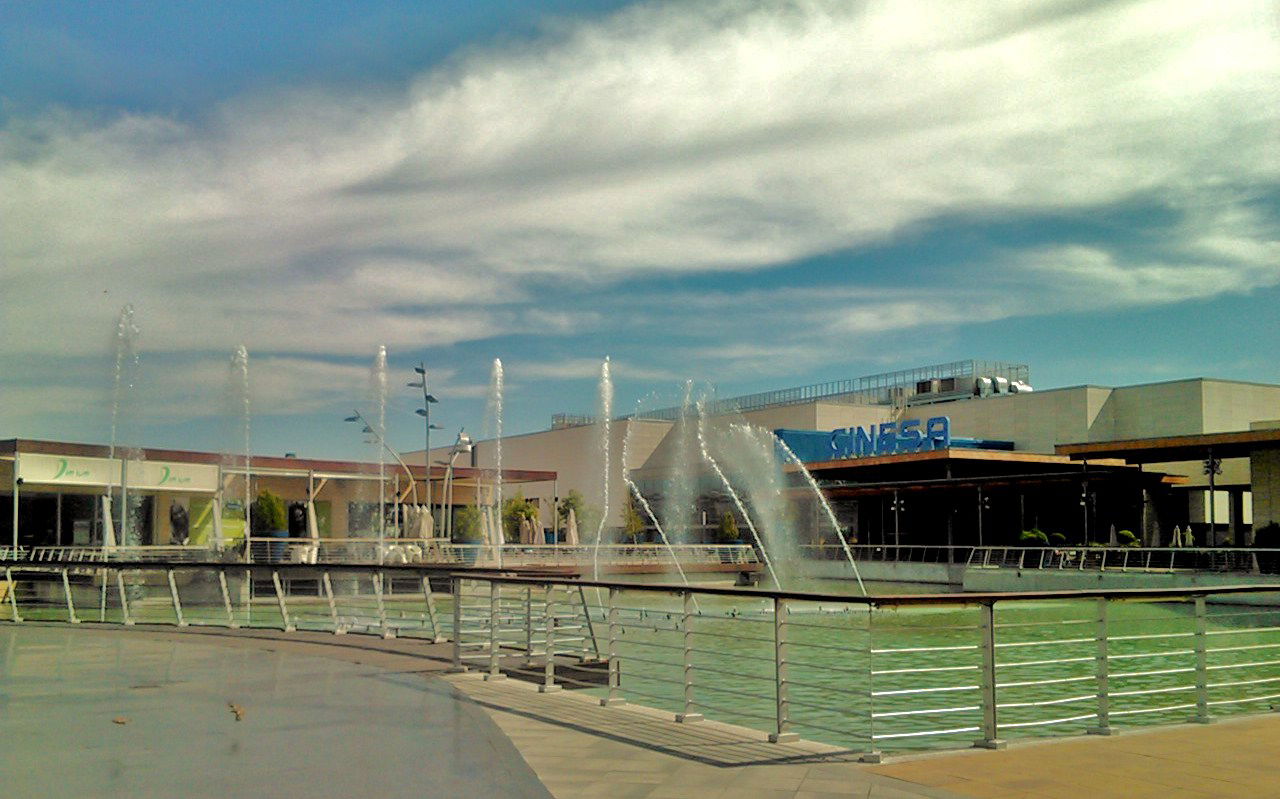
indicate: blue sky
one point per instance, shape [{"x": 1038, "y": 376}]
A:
[{"x": 752, "y": 194}]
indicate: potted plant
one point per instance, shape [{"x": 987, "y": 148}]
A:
[
  {"x": 466, "y": 530},
  {"x": 267, "y": 519}
]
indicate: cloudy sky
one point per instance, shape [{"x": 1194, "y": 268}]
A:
[{"x": 755, "y": 194}]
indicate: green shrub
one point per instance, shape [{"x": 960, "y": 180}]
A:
[
  {"x": 266, "y": 514},
  {"x": 1057, "y": 539},
  {"x": 466, "y": 525},
  {"x": 1127, "y": 538},
  {"x": 1033, "y": 538},
  {"x": 728, "y": 528}
]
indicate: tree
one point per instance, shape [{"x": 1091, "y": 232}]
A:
[
  {"x": 572, "y": 502},
  {"x": 466, "y": 525},
  {"x": 514, "y": 511},
  {"x": 633, "y": 526},
  {"x": 266, "y": 514},
  {"x": 728, "y": 528}
]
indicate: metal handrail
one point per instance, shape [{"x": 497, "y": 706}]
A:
[{"x": 504, "y": 622}]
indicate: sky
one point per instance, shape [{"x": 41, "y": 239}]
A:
[{"x": 753, "y": 195}]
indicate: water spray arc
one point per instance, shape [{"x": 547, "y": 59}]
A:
[
  {"x": 826, "y": 506},
  {"x": 644, "y": 503},
  {"x": 733, "y": 494}
]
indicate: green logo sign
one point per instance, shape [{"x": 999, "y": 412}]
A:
[
  {"x": 168, "y": 478},
  {"x": 64, "y": 469}
]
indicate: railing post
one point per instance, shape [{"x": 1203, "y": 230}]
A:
[
  {"x": 495, "y": 671},
  {"x": 615, "y": 666},
  {"x": 124, "y": 600},
  {"x": 686, "y": 627},
  {"x": 591, "y": 628},
  {"x": 284, "y": 609},
  {"x": 385, "y": 631},
  {"x": 13, "y": 594},
  {"x": 327, "y": 582},
  {"x": 66, "y": 590},
  {"x": 431, "y": 609},
  {"x": 528, "y": 624},
  {"x": 990, "y": 730},
  {"x": 1202, "y": 663},
  {"x": 1102, "y": 670},
  {"x": 455, "y": 587},
  {"x": 872, "y": 754},
  {"x": 549, "y": 666},
  {"x": 226, "y": 599},
  {"x": 173, "y": 594},
  {"x": 780, "y": 688}
]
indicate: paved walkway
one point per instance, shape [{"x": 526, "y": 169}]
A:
[{"x": 578, "y": 749}]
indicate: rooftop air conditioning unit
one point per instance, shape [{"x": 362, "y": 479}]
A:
[
  {"x": 1001, "y": 385},
  {"x": 1019, "y": 387},
  {"x": 982, "y": 387}
]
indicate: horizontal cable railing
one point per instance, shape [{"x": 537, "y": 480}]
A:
[
  {"x": 875, "y": 673},
  {"x": 1241, "y": 560}
]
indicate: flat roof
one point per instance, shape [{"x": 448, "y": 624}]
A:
[
  {"x": 955, "y": 454},
  {"x": 266, "y": 463},
  {"x": 1163, "y": 449}
]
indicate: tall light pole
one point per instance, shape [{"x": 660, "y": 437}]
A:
[{"x": 425, "y": 412}]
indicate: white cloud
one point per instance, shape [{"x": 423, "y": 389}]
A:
[{"x": 669, "y": 138}]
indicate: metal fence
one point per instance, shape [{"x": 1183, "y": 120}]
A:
[
  {"x": 1129, "y": 559},
  {"x": 869, "y": 673}
]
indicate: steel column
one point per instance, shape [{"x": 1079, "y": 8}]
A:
[
  {"x": 686, "y": 627},
  {"x": 1202, "y": 663},
  {"x": 327, "y": 582},
  {"x": 495, "y": 597},
  {"x": 615, "y": 665},
  {"x": 782, "y": 704},
  {"x": 549, "y": 619},
  {"x": 226, "y": 599},
  {"x": 173, "y": 594},
  {"x": 1102, "y": 671},
  {"x": 284, "y": 609},
  {"x": 990, "y": 729},
  {"x": 66, "y": 590}
]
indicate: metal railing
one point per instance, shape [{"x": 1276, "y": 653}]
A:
[
  {"x": 869, "y": 673},
  {"x": 441, "y": 551},
  {"x": 905, "y": 553},
  {"x": 1242, "y": 560}
]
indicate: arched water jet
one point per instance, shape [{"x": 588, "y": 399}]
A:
[
  {"x": 605, "y": 414},
  {"x": 678, "y": 507},
  {"x": 826, "y": 506},
  {"x": 733, "y": 494},
  {"x": 644, "y": 503}
]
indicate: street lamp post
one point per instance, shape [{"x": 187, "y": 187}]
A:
[{"x": 425, "y": 412}]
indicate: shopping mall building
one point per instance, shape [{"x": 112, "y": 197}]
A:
[
  {"x": 1079, "y": 460},
  {"x": 963, "y": 453}
]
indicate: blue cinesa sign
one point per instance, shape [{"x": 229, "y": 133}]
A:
[{"x": 892, "y": 438}]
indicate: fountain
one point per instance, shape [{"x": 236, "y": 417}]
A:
[
  {"x": 603, "y": 425},
  {"x": 751, "y": 463},
  {"x": 644, "y": 503},
  {"x": 493, "y": 427},
  {"x": 678, "y": 507},
  {"x": 123, "y": 405},
  {"x": 826, "y": 507},
  {"x": 733, "y": 494},
  {"x": 238, "y": 410},
  {"x": 378, "y": 386}
]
